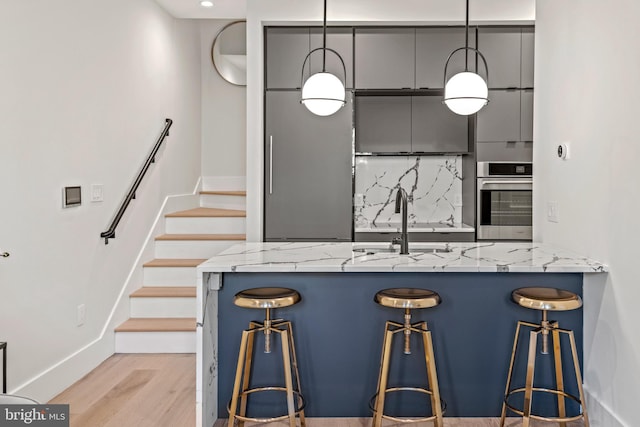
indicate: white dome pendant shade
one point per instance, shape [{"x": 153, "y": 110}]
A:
[
  {"x": 466, "y": 93},
  {"x": 323, "y": 94}
]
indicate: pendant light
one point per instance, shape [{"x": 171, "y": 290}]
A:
[
  {"x": 323, "y": 93},
  {"x": 467, "y": 92}
]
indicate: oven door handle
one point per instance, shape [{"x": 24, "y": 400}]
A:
[{"x": 507, "y": 182}]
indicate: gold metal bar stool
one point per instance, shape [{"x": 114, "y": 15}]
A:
[
  {"x": 268, "y": 299},
  {"x": 545, "y": 299},
  {"x": 407, "y": 298}
]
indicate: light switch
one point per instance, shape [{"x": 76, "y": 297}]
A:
[
  {"x": 552, "y": 212},
  {"x": 97, "y": 193}
]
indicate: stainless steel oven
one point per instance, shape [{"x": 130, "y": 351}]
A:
[{"x": 504, "y": 201}]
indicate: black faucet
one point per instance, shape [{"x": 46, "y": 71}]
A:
[{"x": 401, "y": 203}]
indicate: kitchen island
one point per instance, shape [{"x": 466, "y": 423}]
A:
[{"x": 338, "y": 328}]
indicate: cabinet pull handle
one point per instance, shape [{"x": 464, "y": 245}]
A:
[
  {"x": 270, "y": 164},
  {"x": 5, "y": 254}
]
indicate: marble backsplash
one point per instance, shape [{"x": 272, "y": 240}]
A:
[{"x": 433, "y": 184}]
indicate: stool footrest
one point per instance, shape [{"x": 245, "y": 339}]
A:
[
  {"x": 372, "y": 401},
  {"x": 297, "y": 396},
  {"x": 539, "y": 417}
]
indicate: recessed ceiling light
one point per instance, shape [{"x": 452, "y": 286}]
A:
[{"x": 206, "y": 3}]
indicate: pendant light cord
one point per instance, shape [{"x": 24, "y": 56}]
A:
[
  {"x": 466, "y": 40},
  {"x": 324, "y": 38}
]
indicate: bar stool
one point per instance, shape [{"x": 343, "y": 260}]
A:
[
  {"x": 407, "y": 298},
  {"x": 268, "y": 299},
  {"x": 545, "y": 299}
]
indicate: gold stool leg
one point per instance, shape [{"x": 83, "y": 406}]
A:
[
  {"x": 531, "y": 367},
  {"x": 509, "y": 376},
  {"x": 576, "y": 365},
  {"x": 284, "y": 338},
  {"x": 238, "y": 379},
  {"x": 557, "y": 356},
  {"x": 294, "y": 359},
  {"x": 436, "y": 407},
  {"x": 384, "y": 374},
  {"x": 248, "y": 360}
]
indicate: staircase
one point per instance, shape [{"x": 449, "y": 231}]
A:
[{"x": 162, "y": 312}]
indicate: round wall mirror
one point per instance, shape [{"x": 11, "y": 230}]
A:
[{"x": 229, "y": 53}]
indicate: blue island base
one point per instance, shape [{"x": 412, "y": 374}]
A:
[{"x": 338, "y": 331}]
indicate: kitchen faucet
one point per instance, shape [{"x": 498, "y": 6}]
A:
[{"x": 401, "y": 204}]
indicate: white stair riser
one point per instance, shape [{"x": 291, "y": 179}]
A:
[
  {"x": 156, "y": 342},
  {"x": 170, "y": 276},
  {"x": 191, "y": 248},
  {"x": 162, "y": 307},
  {"x": 208, "y": 225},
  {"x": 223, "y": 202}
]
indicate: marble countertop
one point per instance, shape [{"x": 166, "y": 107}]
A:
[
  {"x": 418, "y": 227},
  {"x": 374, "y": 257}
]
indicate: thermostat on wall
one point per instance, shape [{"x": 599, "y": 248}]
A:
[{"x": 71, "y": 196}]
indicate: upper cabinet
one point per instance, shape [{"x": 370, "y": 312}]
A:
[
  {"x": 509, "y": 55},
  {"x": 286, "y": 49},
  {"x": 385, "y": 58},
  {"x": 433, "y": 47}
]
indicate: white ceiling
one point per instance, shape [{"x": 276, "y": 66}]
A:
[{"x": 222, "y": 9}]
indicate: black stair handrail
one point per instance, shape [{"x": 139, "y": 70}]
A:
[{"x": 111, "y": 232}]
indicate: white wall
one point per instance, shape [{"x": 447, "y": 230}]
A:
[
  {"x": 224, "y": 113},
  {"x": 379, "y": 12},
  {"x": 85, "y": 87},
  {"x": 587, "y": 68}
]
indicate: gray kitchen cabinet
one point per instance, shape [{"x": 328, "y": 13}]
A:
[
  {"x": 383, "y": 124},
  {"x": 433, "y": 47},
  {"x": 500, "y": 119},
  {"x": 340, "y": 40},
  {"x": 501, "y": 48},
  {"x": 286, "y": 49},
  {"x": 308, "y": 190},
  {"x": 526, "y": 115},
  {"x": 434, "y": 128},
  {"x": 527, "y": 54},
  {"x": 384, "y": 58}
]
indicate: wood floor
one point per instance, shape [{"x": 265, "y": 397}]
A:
[
  {"x": 159, "y": 390},
  {"x": 135, "y": 390}
]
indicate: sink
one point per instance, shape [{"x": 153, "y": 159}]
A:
[{"x": 422, "y": 249}]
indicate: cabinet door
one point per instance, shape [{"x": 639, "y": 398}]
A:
[
  {"x": 383, "y": 124},
  {"x": 308, "y": 184},
  {"x": 499, "y": 120},
  {"x": 527, "y": 64},
  {"x": 384, "y": 58},
  {"x": 526, "y": 115},
  {"x": 340, "y": 40},
  {"x": 433, "y": 47},
  {"x": 286, "y": 49},
  {"x": 436, "y": 129},
  {"x": 501, "y": 49}
]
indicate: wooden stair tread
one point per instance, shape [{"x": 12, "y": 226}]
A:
[
  {"x": 179, "y": 324},
  {"x": 224, "y": 193},
  {"x": 165, "y": 292},
  {"x": 202, "y": 237},
  {"x": 207, "y": 213},
  {"x": 173, "y": 262}
]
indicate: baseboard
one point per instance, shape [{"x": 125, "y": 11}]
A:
[
  {"x": 49, "y": 383},
  {"x": 600, "y": 414},
  {"x": 223, "y": 183}
]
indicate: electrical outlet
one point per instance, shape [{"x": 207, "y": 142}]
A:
[
  {"x": 553, "y": 214},
  {"x": 81, "y": 314},
  {"x": 457, "y": 201},
  {"x": 97, "y": 193},
  {"x": 358, "y": 200}
]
